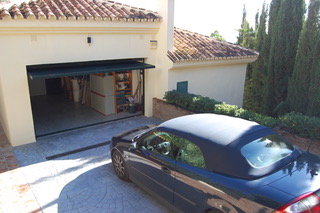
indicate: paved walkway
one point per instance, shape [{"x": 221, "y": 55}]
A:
[
  {"x": 16, "y": 195},
  {"x": 82, "y": 182}
]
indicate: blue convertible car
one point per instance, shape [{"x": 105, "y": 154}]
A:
[{"x": 216, "y": 163}]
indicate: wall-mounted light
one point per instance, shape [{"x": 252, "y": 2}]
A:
[
  {"x": 153, "y": 44},
  {"x": 89, "y": 40}
]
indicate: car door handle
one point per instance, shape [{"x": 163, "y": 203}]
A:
[{"x": 166, "y": 170}]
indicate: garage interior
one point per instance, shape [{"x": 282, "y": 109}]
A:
[{"x": 74, "y": 95}]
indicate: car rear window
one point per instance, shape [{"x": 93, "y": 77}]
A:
[{"x": 266, "y": 150}]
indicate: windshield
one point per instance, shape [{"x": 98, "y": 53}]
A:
[{"x": 266, "y": 150}]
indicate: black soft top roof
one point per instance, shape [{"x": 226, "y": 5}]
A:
[
  {"x": 211, "y": 128},
  {"x": 220, "y": 138}
]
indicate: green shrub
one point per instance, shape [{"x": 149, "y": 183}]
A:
[
  {"x": 171, "y": 96},
  {"x": 247, "y": 115},
  {"x": 202, "y": 105},
  {"x": 297, "y": 123},
  {"x": 183, "y": 100},
  {"x": 266, "y": 120},
  {"x": 191, "y": 102},
  {"x": 302, "y": 125},
  {"x": 226, "y": 109}
]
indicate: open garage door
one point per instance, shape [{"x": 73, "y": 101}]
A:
[
  {"x": 108, "y": 90},
  {"x": 85, "y": 68}
]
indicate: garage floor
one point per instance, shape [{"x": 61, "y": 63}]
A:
[{"x": 52, "y": 114}]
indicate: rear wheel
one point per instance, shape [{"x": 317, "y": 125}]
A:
[{"x": 119, "y": 166}]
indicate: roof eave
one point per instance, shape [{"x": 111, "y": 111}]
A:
[{"x": 214, "y": 62}]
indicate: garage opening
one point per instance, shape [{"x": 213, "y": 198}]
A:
[{"x": 73, "y": 95}]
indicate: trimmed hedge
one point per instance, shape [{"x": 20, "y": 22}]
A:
[
  {"x": 297, "y": 123},
  {"x": 302, "y": 125}
]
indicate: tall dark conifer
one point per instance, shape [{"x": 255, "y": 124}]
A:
[
  {"x": 263, "y": 61},
  {"x": 244, "y": 20},
  {"x": 255, "y": 79},
  {"x": 298, "y": 90},
  {"x": 246, "y": 33},
  {"x": 314, "y": 89},
  {"x": 286, "y": 24}
]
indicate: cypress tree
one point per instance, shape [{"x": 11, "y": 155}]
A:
[
  {"x": 298, "y": 89},
  {"x": 261, "y": 28},
  {"x": 265, "y": 55},
  {"x": 241, "y": 31},
  {"x": 256, "y": 25},
  {"x": 314, "y": 89},
  {"x": 246, "y": 33},
  {"x": 284, "y": 34},
  {"x": 255, "y": 79},
  {"x": 246, "y": 38}
]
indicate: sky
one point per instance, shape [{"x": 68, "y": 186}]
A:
[{"x": 206, "y": 16}]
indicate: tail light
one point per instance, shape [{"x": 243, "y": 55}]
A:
[{"x": 307, "y": 203}]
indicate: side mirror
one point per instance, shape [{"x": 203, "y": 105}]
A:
[{"x": 133, "y": 146}]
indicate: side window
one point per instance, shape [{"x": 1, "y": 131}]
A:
[
  {"x": 174, "y": 147},
  {"x": 191, "y": 154},
  {"x": 161, "y": 143}
]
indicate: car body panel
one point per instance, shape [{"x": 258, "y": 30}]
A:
[
  {"x": 189, "y": 193},
  {"x": 301, "y": 176},
  {"x": 154, "y": 172},
  {"x": 194, "y": 189}
]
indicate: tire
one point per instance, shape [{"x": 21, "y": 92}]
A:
[{"x": 119, "y": 166}]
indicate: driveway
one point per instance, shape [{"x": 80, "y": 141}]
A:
[{"x": 79, "y": 177}]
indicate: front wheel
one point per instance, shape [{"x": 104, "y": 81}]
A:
[{"x": 119, "y": 166}]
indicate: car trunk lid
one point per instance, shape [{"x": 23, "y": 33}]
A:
[{"x": 300, "y": 177}]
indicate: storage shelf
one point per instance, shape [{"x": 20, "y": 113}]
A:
[
  {"x": 123, "y": 90},
  {"x": 122, "y": 80}
]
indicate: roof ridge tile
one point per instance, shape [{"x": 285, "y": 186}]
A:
[
  {"x": 54, "y": 9},
  {"x": 36, "y": 10},
  {"x": 26, "y": 11},
  {"x": 77, "y": 9},
  {"x": 45, "y": 8}
]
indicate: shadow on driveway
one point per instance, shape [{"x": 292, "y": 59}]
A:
[
  {"x": 99, "y": 190},
  {"x": 83, "y": 181}
]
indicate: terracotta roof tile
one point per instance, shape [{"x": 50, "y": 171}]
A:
[
  {"x": 77, "y": 9},
  {"x": 4, "y": 13},
  {"x": 26, "y": 10},
  {"x": 46, "y": 9},
  {"x": 15, "y": 11},
  {"x": 190, "y": 46},
  {"x": 36, "y": 10}
]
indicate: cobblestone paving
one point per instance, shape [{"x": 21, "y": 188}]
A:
[
  {"x": 79, "y": 183},
  {"x": 15, "y": 193},
  {"x": 85, "y": 182}
]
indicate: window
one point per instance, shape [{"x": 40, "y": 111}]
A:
[
  {"x": 266, "y": 150},
  {"x": 182, "y": 86},
  {"x": 191, "y": 154},
  {"x": 161, "y": 143},
  {"x": 172, "y": 146}
]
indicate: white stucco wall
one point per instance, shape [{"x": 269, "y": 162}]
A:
[
  {"x": 165, "y": 39},
  {"x": 30, "y": 42},
  {"x": 222, "y": 82}
]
